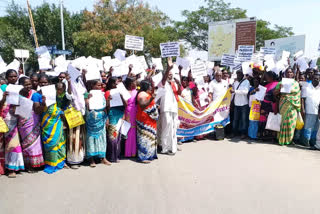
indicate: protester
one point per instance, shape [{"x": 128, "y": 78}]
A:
[
  {"x": 218, "y": 87},
  {"x": 289, "y": 107}
]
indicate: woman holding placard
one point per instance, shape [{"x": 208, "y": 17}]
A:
[
  {"x": 147, "y": 117},
  {"x": 13, "y": 152},
  {"x": 52, "y": 134},
  {"x": 289, "y": 106},
  {"x": 29, "y": 130},
  {"x": 130, "y": 116},
  {"x": 96, "y": 117},
  {"x": 115, "y": 113}
]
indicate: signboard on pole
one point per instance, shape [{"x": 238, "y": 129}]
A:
[
  {"x": 291, "y": 44},
  {"x": 226, "y": 36},
  {"x": 20, "y": 53},
  {"x": 134, "y": 43},
  {"x": 170, "y": 49}
]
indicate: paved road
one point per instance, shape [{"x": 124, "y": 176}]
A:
[{"x": 206, "y": 177}]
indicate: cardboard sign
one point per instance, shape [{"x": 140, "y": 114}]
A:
[
  {"x": 228, "y": 60},
  {"x": 170, "y": 49},
  {"x": 245, "y": 52},
  {"x": 134, "y": 43}
]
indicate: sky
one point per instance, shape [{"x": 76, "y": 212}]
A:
[{"x": 302, "y": 16}]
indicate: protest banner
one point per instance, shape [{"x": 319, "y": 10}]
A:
[
  {"x": 227, "y": 60},
  {"x": 170, "y": 49},
  {"x": 194, "y": 122},
  {"x": 198, "y": 70},
  {"x": 134, "y": 43}
]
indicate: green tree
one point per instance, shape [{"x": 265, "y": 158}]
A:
[{"x": 195, "y": 28}]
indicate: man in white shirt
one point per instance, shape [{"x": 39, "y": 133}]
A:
[
  {"x": 311, "y": 102},
  {"x": 241, "y": 105},
  {"x": 169, "y": 112},
  {"x": 218, "y": 87}
]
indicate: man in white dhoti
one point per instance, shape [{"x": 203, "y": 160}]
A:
[{"x": 169, "y": 111}]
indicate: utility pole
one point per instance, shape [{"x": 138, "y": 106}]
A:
[
  {"x": 62, "y": 24},
  {"x": 32, "y": 25}
]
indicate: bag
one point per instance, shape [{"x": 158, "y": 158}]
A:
[
  {"x": 300, "y": 123},
  {"x": 3, "y": 126},
  {"x": 274, "y": 122},
  {"x": 73, "y": 117},
  {"x": 255, "y": 111}
]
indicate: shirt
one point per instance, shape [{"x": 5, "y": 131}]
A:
[
  {"x": 241, "y": 93},
  {"x": 168, "y": 101},
  {"x": 218, "y": 89},
  {"x": 312, "y": 101}
]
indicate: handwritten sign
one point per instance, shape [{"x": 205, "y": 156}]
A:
[
  {"x": 134, "y": 43},
  {"x": 170, "y": 49},
  {"x": 227, "y": 60}
]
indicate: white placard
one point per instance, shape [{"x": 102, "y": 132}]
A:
[
  {"x": 44, "y": 63},
  {"x": 303, "y": 65},
  {"x": 73, "y": 73},
  {"x": 203, "y": 98},
  {"x": 286, "y": 85},
  {"x": 170, "y": 49},
  {"x": 268, "y": 51},
  {"x": 285, "y": 55},
  {"x": 25, "y": 107},
  {"x": 120, "y": 54},
  {"x": 13, "y": 97},
  {"x": 245, "y": 52},
  {"x": 121, "y": 70},
  {"x": 106, "y": 62},
  {"x": 183, "y": 62},
  {"x": 158, "y": 63},
  {"x": 123, "y": 91},
  {"x": 96, "y": 102},
  {"x": 93, "y": 73},
  {"x": 134, "y": 43},
  {"x": 14, "y": 65},
  {"x": 199, "y": 69},
  {"x": 261, "y": 93},
  {"x": 313, "y": 63},
  {"x": 50, "y": 93},
  {"x": 228, "y": 60},
  {"x": 298, "y": 54},
  {"x": 115, "y": 98},
  {"x": 20, "y": 53},
  {"x": 157, "y": 79},
  {"x": 246, "y": 68}
]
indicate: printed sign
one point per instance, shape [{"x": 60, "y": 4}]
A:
[
  {"x": 134, "y": 43},
  {"x": 170, "y": 49}
]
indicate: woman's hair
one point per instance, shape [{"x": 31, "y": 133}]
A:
[
  {"x": 65, "y": 73},
  {"x": 44, "y": 76},
  {"x": 91, "y": 83},
  {"x": 184, "y": 78},
  {"x": 34, "y": 75},
  {"x": 128, "y": 82},
  {"x": 111, "y": 81},
  {"x": 61, "y": 85},
  {"x": 22, "y": 80},
  {"x": 271, "y": 75},
  {"x": 10, "y": 71},
  {"x": 144, "y": 86}
]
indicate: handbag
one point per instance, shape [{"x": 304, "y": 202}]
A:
[
  {"x": 3, "y": 126},
  {"x": 74, "y": 117},
  {"x": 255, "y": 111},
  {"x": 274, "y": 122},
  {"x": 300, "y": 123}
]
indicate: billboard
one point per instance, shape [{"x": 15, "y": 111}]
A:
[
  {"x": 226, "y": 36},
  {"x": 293, "y": 44}
]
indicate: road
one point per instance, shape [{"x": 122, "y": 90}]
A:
[{"x": 205, "y": 177}]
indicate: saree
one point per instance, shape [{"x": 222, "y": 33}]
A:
[
  {"x": 30, "y": 135},
  {"x": 289, "y": 108},
  {"x": 131, "y": 113},
  {"x": 147, "y": 132},
  {"x": 2, "y": 164},
  {"x": 53, "y": 139},
  {"x": 96, "y": 139},
  {"x": 13, "y": 150},
  {"x": 268, "y": 104},
  {"x": 114, "y": 136}
]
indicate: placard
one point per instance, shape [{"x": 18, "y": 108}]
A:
[
  {"x": 198, "y": 70},
  {"x": 20, "y": 53},
  {"x": 228, "y": 60},
  {"x": 170, "y": 49},
  {"x": 245, "y": 52},
  {"x": 134, "y": 43}
]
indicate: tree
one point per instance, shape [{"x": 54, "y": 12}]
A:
[
  {"x": 104, "y": 29},
  {"x": 195, "y": 28}
]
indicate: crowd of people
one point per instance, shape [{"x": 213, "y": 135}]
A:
[{"x": 45, "y": 141}]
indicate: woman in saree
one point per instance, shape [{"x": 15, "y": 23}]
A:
[
  {"x": 130, "y": 116},
  {"x": 268, "y": 105},
  {"x": 29, "y": 129},
  {"x": 114, "y": 115},
  {"x": 289, "y": 108},
  {"x": 96, "y": 138},
  {"x": 12, "y": 147},
  {"x": 147, "y": 117},
  {"x": 52, "y": 134}
]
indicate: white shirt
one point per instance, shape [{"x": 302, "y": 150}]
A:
[
  {"x": 218, "y": 89},
  {"x": 241, "y": 94},
  {"x": 186, "y": 94},
  {"x": 168, "y": 101},
  {"x": 312, "y": 101}
]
